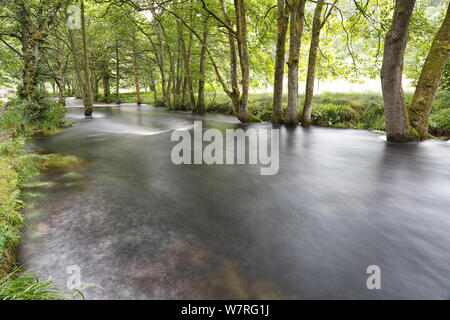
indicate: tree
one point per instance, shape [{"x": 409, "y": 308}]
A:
[
  {"x": 239, "y": 99},
  {"x": 312, "y": 59},
  {"x": 89, "y": 107},
  {"x": 282, "y": 24},
  {"x": 135, "y": 69},
  {"x": 297, "y": 15},
  {"x": 397, "y": 124},
  {"x": 202, "y": 73},
  {"x": 186, "y": 54},
  {"x": 29, "y": 23},
  {"x": 430, "y": 76}
]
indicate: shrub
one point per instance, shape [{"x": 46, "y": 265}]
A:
[
  {"x": 261, "y": 113},
  {"x": 442, "y": 101},
  {"x": 333, "y": 115},
  {"x": 440, "y": 123},
  {"x": 373, "y": 118},
  {"x": 21, "y": 115}
]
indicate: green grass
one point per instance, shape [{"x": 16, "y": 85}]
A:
[
  {"x": 19, "y": 285},
  {"x": 18, "y": 123},
  {"x": 342, "y": 110},
  {"x": 15, "y": 168}
]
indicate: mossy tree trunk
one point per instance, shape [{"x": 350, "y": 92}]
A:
[
  {"x": 135, "y": 71},
  {"x": 312, "y": 60},
  {"x": 153, "y": 86},
  {"x": 430, "y": 76},
  {"x": 397, "y": 125},
  {"x": 32, "y": 37},
  {"x": 202, "y": 73},
  {"x": 282, "y": 24},
  {"x": 89, "y": 107},
  {"x": 297, "y": 15},
  {"x": 77, "y": 67},
  {"x": 117, "y": 73},
  {"x": 241, "y": 30},
  {"x": 186, "y": 55}
]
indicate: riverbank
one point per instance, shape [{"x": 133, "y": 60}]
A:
[
  {"x": 339, "y": 110},
  {"x": 16, "y": 167}
]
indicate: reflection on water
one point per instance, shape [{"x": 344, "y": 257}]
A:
[{"x": 140, "y": 227}]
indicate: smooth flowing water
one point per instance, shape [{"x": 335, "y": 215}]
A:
[{"x": 141, "y": 227}]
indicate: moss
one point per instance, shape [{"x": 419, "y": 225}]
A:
[{"x": 59, "y": 161}]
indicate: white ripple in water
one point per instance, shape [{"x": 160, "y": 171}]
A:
[{"x": 120, "y": 128}]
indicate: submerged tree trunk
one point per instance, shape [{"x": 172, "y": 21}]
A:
[
  {"x": 136, "y": 79},
  {"x": 89, "y": 108},
  {"x": 234, "y": 93},
  {"x": 186, "y": 59},
  {"x": 153, "y": 86},
  {"x": 202, "y": 73},
  {"x": 312, "y": 63},
  {"x": 165, "y": 98},
  {"x": 61, "y": 81},
  {"x": 297, "y": 13},
  {"x": 282, "y": 24},
  {"x": 77, "y": 68},
  {"x": 239, "y": 100},
  {"x": 397, "y": 126},
  {"x": 117, "y": 73},
  {"x": 241, "y": 30},
  {"x": 432, "y": 70}
]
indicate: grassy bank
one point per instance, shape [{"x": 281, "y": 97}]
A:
[
  {"x": 342, "y": 110},
  {"x": 17, "y": 124}
]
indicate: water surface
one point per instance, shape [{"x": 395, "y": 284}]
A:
[{"x": 141, "y": 227}]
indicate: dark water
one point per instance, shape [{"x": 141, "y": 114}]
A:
[{"x": 140, "y": 227}]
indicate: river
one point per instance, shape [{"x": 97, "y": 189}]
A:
[{"x": 139, "y": 227}]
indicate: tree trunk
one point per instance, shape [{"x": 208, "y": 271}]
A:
[
  {"x": 312, "y": 63},
  {"x": 241, "y": 29},
  {"x": 61, "y": 90},
  {"x": 117, "y": 73},
  {"x": 61, "y": 82},
  {"x": 105, "y": 81},
  {"x": 77, "y": 67},
  {"x": 186, "y": 59},
  {"x": 297, "y": 15},
  {"x": 202, "y": 73},
  {"x": 95, "y": 88},
  {"x": 162, "y": 65},
  {"x": 282, "y": 24},
  {"x": 32, "y": 40},
  {"x": 32, "y": 51},
  {"x": 183, "y": 92},
  {"x": 234, "y": 94},
  {"x": 136, "y": 79},
  {"x": 89, "y": 108},
  {"x": 397, "y": 126},
  {"x": 429, "y": 79},
  {"x": 153, "y": 88}
]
